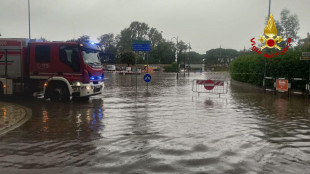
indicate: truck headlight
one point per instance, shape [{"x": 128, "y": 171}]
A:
[{"x": 76, "y": 83}]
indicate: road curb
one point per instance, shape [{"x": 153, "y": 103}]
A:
[
  {"x": 13, "y": 123},
  {"x": 238, "y": 83}
]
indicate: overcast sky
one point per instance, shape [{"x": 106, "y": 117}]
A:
[{"x": 206, "y": 24}]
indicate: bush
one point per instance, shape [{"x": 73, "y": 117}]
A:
[
  {"x": 251, "y": 68},
  {"x": 171, "y": 68}
]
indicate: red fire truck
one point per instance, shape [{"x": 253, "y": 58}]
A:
[{"x": 59, "y": 70}]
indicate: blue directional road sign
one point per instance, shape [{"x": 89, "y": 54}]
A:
[
  {"x": 140, "y": 45},
  {"x": 147, "y": 78}
]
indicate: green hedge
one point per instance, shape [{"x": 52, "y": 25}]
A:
[
  {"x": 171, "y": 68},
  {"x": 250, "y": 68}
]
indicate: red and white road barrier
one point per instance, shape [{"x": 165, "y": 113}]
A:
[{"x": 210, "y": 86}]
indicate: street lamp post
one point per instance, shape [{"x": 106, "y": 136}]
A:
[
  {"x": 267, "y": 21},
  {"x": 269, "y": 9},
  {"x": 177, "y": 68},
  {"x": 184, "y": 63},
  {"x": 29, "y": 17},
  {"x": 189, "y": 50}
]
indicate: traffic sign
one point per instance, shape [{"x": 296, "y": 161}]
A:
[
  {"x": 141, "y": 45},
  {"x": 147, "y": 78},
  {"x": 209, "y": 84},
  {"x": 305, "y": 56},
  {"x": 282, "y": 85}
]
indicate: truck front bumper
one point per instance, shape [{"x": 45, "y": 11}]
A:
[{"x": 85, "y": 90}]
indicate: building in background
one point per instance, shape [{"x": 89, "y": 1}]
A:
[{"x": 305, "y": 41}]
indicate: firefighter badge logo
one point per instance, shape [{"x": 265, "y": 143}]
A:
[
  {"x": 270, "y": 40},
  {"x": 271, "y": 31}
]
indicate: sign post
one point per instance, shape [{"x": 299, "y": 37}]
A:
[
  {"x": 145, "y": 46},
  {"x": 147, "y": 70}
]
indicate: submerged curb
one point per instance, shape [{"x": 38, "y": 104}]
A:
[
  {"x": 12, "y": 116},
  {"x": 238, "y": 83}
]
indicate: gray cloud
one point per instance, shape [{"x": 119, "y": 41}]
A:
[{"x": 206, "y": 24}]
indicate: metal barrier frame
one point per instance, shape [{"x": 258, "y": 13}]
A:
[
  {"x": 291, "y": 81},
  {"x": 199, "y": 88}
]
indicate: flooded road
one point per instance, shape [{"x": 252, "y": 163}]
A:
[{"x": 163, "y": 129}]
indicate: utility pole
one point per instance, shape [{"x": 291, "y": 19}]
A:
[
  {"x": 177, "y": 58},
  {"x": 184, "y": 63},
  {"x": 177, "y": 68},
  {"x": 265, "y": 59},
  {"x": 189, "y": 50},
  {"x": 269, "y": 9},
  {"x": 29, "y": 17}
]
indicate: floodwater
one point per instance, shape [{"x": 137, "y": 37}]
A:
[{"x": 162, "y": 128}]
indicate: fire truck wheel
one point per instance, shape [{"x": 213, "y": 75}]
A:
[{"x": 59, "y": 92}]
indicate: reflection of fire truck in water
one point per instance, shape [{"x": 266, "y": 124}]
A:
[
  {"x": 150, "y": 68},
  {"x": 58, "y": 69}
]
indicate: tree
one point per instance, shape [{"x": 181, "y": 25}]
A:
[
  {"x": 195, "y": 58},
  {"x": 124, "y": 40},
  {"x": 191, "y": 57},
  {"x": 287, "y": 26},
  {"x": 43, "y": 39},
  {"x": 182, "y": 47},
  {"x": 155, "y": 37},
  {"x": 108, "y": 44},
  {"x": 138, "y": 31},
  {"x": 107, "y": 40},
  {"x": 128, "y": 57},
  {"x": 290, "y": 24},
  {"x": 72, "y": 40},
  {"x": 220, "y": 56},
  {"x": 82, "y": 38},
  {"x": 163, "y": 53}
]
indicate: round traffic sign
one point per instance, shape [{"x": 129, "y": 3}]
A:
[
  {"x": 209, "y": 84},
  {"x": 147, "y": 78}
]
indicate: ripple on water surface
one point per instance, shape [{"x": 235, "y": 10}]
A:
[{"x": 165, "y": 129}]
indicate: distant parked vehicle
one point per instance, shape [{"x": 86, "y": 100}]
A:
[
  {"x": 147, "y": 68},
  {"x": 111, "y": 67}
]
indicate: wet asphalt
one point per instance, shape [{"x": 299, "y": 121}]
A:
[{"x": 164, "y": 127}]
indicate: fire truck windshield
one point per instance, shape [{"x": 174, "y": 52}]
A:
[{"x": 91, "y": 58}]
